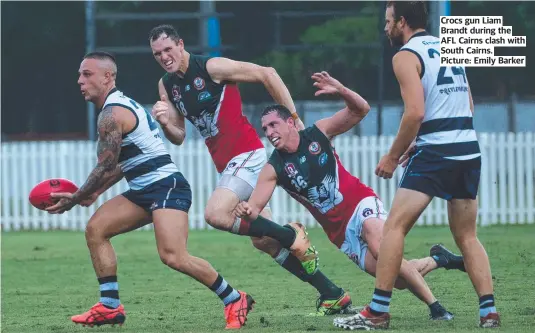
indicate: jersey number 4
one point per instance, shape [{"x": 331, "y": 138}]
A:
[
  {"x": 150, "y": 120},
  {"x": 442, "y": 78}
]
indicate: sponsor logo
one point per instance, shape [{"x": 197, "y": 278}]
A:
[
  {"x": 303, "y": 159},
  {"x": 183, "y": 204},
  {"x": 203, "y": 96},
  {"x": 323, "y": 159}
]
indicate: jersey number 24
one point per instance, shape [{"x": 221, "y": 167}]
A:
[{"x": 442, "y": 78}]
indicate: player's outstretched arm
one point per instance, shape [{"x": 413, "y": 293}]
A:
[
  {"x": 111, "y": 123},
  {"x": 342, "y": 121},
  {"x": 224, "y": 69},
  {"x": 267, "y": 181},
  {"x": 171, "y": 121}
]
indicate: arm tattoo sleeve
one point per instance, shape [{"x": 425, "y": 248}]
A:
[{"x": 108, "y": 149}]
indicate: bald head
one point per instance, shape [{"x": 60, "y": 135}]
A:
[{"x": 97, "y": 75}]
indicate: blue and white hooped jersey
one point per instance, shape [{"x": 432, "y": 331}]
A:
[
  {"x": 143, "y": 158},
  {"x": 447, "y": 130}
]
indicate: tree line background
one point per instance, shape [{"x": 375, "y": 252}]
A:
[{"x": 44, "y": 42}]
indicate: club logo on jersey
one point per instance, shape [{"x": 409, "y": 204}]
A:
[
  {"x": 314, "y": 148},
  {"x": 203, "y": 96},
  {"x": 231, "y": 165},
  {"x": 290, "y": 169},
  {"x": 367, "y": 212},
  {"x": 177, "y": 96},
  {"x": 323, "y": 159},
  {"x": 303, "y": 159},
  {"x": 198, "y": 83}
]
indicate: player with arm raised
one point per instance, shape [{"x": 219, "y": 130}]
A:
[
  {"x": 445, "y": 163},
  {"x": 204, "y": 90},
  {"x": 306, "y": 166},
  {"x": 129, "y": 145}
]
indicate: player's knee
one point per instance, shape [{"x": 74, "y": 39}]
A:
[
  {"x": 464, "y": 240},
  {"x": 463, "y": 237},
  {"x": 209, "y": 215},
  {"x": 175, "y": 261},
  {"x": 94, "y": 233},
  {"x": 396, "y": 228},
  {"x": 218, "y": 218}
]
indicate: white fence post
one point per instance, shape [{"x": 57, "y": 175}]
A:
[{"x": 529, "y": 180}]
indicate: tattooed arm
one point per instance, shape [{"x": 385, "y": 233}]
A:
[
  {"x": 108, "y": 149},
  {"x": 110, "y": 129},
  {"x": 113, "y": 178}
]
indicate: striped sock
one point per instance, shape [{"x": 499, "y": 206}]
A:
[
  {"x": 224, "y": 290},
  {"x": 109, "y": 291},
  {"x": 486, "y": 305},
  {"x": 381, "y": 302}
]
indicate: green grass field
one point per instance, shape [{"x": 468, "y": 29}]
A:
[{"x": 47, "y": 277}]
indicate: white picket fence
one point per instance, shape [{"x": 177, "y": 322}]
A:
[{"x": 506, "y": 194}]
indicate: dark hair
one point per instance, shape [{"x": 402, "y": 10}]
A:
[
  {"x": 166, "y": 29},
  {"x": 414, "y": 12},
  {"x": 281, "y": 111},
  {"x": 100, "y": 55}
]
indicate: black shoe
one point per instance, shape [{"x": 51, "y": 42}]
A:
[
  {"x": 443, "y": 316},
  {"x": 438, "y": 312},
  {"x": 445, "y": 258}
]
